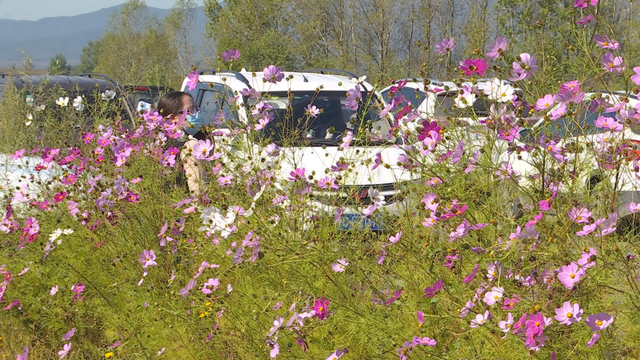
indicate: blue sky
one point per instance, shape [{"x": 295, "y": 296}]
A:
[{"x": 38, "y": 9}]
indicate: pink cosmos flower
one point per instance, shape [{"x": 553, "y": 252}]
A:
[
  {"x": 185, "y": 290},
  {"x": 273, "y": 74},
  {"x": 192, "y": 80},
  {"x": 147, "y": 258},
  {"x": 18, "y": 154},
  {"x": 78, "y": 289},
  {"x": 225, "y": 180},
  {"x": 69, "y": 334},
  {"x": 431, "y": 291},
  {"x": 65, "y": 350},
  {"x": 211, "y": 283},
  {"x": 493, "y": 296},
  {"x": 230, "y": 55},
  {"x": 612, "y": 63},
  {"x": 505, "y": 325},
  {"x": 473, "y": 66},
  {"x": 587, "y": 259},
  {"x": 202, "y": 148},
  {"x": 312, "y": 111},
  {"x": 25, "y": 354},
  {"x": 579, "y": 215},
  {"x": 599, "y": 321},
  {"x": 636, "y": 77},
  {"x": 446, "y": 45},
  {"x": 297, "y": 174},
  {"x": 594, "y": 339},
  {"x": 472, "y": 274},
  {"x": 525, "y": 67},
  {"x": 340, "y": 265},
  {"x": 54, "y": 290},
  {"x": 395, "y": 297},
  {"x": 604, "y": 42},
  {"x": 583, "y": 4},
  {"x": 510, "y": 303},
  {"x": 420, "y": 316},
  {"x": 535, "y": 325},
  {"x": 545, "y": 102},
  {"x": 569, "y": 314},
  {"x": 429, "y": 201},
  {"x": 633, "y": 207},
  {"x": 497, "y": 48},
  {"x": 320, "y": 307},
  {"x": 354, "y": 96},
  {"x": 328, "y": 183},
  {"x": 480, "y": 319},
  {"x": 585, "y": 20},
  {"x": 569, "y": 275}
]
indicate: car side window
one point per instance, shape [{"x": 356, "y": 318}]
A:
[{"x": 216, "y": 108}]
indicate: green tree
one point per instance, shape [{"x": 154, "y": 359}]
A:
[
  {"x": 180, "y": 29},
  {"x": 136, "y": 49},
  {"x": 261, "y": 30},
  {"x": 89, "y": 57},
  {"x": 58, "y": 65}
]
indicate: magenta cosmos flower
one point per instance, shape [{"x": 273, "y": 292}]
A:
[
  {"x": 473, "y": 66},
  {"x": 446, "y": 45},
  {"x": 192, "y": 80},
  {"x": 569, "y": 275},
  {"x": 230, "y": 55},
  {"x": 320, "y": 307},
  {"x": 599, "y": 321},
  {"x": 273, "y": 74},
  {"x": 568, "y": 314},
  {"x": 429, "y": 292},
  {"x": 497, "y": 48}
]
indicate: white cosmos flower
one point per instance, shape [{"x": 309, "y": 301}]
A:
[
  {"x": 495, "y": 89},
  {"x": 55, "y": 234},
  {"x": 67, "y": 231},
  {"x": 29, "y": 119},
  {"x": 40, "y": 107},
  {"x": 63, "y": 101},
  {"x": 108, "y": 95},
  {"x": 78, "y": 104}
]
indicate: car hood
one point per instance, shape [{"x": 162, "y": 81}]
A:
[{"x": 318, "y": 161}]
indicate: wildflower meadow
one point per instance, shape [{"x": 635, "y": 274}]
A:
[{"x": 104, "y": 253}]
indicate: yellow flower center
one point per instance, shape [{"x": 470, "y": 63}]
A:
[
  {"x": 537, "y": 323},
  {"x": 573, "y": 276},
  {"x": 546, "y": 104},
  {"x": 606, "y": 43},
  {"x": 569, "y": 315},
  {"x": 599, "y": 322}
]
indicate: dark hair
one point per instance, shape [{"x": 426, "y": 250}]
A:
[{"x": 171, "y": 103}]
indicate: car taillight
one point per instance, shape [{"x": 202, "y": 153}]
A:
[{"x": 632, "y": 153}]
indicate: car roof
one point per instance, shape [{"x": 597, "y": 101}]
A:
[
  {"x": 304, "y": 81},
  {"x": 69, "y": 83}
]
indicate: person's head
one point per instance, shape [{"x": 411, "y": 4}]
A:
[
  {"x": 178, "y": 106},
  {"x": 173, "y": 105}
]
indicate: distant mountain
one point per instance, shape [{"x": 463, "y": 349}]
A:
[{"x": 67, "y": 35}]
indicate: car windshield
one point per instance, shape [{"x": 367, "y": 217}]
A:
[
  {"x": 411, "y": 96},
  {"x": 444, "y": 106},
  {"x": 292, "y": 121},
  {"x": 567, "y": 127}
]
